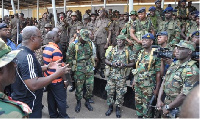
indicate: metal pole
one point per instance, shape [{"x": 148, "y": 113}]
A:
[
  {"x": 37, "y": 10},
  {"x": 175, "y": 2},
  {"x": 104, "y": 4},
  {"x": 127, "y": 6},
  {"x": 54, "y": 11},
  {"x": 18, "y": 6},
  {"x": 130, "y": 6},
  {"x": 13, "y": 6},
  {"x": 65, "y": 2},
  {"x": 2, "y": 11},
  {"x": 162, "y": 4}
]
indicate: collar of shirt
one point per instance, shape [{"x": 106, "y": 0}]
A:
[{"x": 51, "y": 43}]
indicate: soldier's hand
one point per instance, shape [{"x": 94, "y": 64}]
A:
[
  {"x": 156, "y": 92},
  {"x": 133, "y": 84},
  {"x": 165, "y": 111},
  {"x": 159, "y": 105}
]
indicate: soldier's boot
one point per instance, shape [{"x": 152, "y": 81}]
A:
[
  {"x": 140, "y": 116},
  {"x": 89, "y": 107},
  {"x": 90, "y": 100},
  {"x": 118, "y": 112},
  {"x": 110, "y": 110},
  {"x": 102, "y": 74},
  {"x": 73, "y": 87},
  {"x": 78, "y": 106}
]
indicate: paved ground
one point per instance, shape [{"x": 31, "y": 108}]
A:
[{"x": 100, "y": 107}]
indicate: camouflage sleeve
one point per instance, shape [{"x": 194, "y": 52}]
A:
[
  {"x": 132, "y": 55},
  {"x": 157, "y": 64},
  {"x": 133, "y": 26},
  {"x": 70, "y": 55},
  {"x": 108, "y": 57},
  {"x": 190, "y": 80},
  {"x": 151, "y": 26}
]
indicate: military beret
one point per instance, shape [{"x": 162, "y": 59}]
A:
[
  {"x": 196, "y": 33},
  {"x": 183, "y": 0},
  {"x": 194, "y": 12},
  {"x": 162, "y": 33},
  {"x": 121, "y": 37},
  {"x": 3, "y": 25},
  {"x": 141, "y": 10},
  {"x": 133, "y": 12},
  {"x": 157, "y": 1},
  {"x": 168, "y": 9},
  {"x": 152, "y": 8},
  {"x": 186, "y": 44},
  {"x": 148, "y": 36},
  {"x": 47, "y": 25}
]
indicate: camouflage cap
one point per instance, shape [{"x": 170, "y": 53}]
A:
[
  {"x": 48, "y": 25},
  {"x": 133, "y": 12},
  {"x": 74, "y": 14},
  {"x": 186, "y": 44},
  {"x": 86, "y": 16},
  {"x": 84, "y": 33},
  {"x": 6, "y": 55},
  {"x": 148, "y": 36},
  {"x": 121, "y": 37}
]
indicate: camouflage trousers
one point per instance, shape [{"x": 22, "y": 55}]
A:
[
  {"x": 80, "y": 79},
  {"x": 120, "y": 87},
  {"x": 142, "y": 97}
]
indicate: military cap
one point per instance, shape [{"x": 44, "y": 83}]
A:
[
  {"x": 93, "y": 13},
  {"x": 86, "y": 16},
  {"x": 168, "y": 9},
  {"x": 186, "y": 44},
  {"x": 6, "y": 55},
  {"x": 74, "y": 14},
  {"x": 141, "y": 10},
  {"x": 152, "y": 8},
  {"x": 126, "y": 13},
  {"x": 79, "y": 27},
  {"x": 162, "y": 33},
  {"x": 121, "y": 37},
  {"x": 183, "y": 0},
  {"x": 196, "y": 33},
  {"x": 157, "y": 1},
  {"x": 3, "y": 25},
  {"x": 84, "y": 33},
  {"x": 148, "y": 36},
  {"x": 133, "y": 12},
  {"x": 48, "y": 25}
]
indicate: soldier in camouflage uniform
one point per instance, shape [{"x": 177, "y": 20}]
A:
[
  {"x": 119, "y": 59},
  {"x": 190, "y": 7},
  {"x": 9, "y": 108},
  {"x": 170, "y": 26},
  {"x": 140, "y": 27},
  {"x": 159, "y": 10},
  {"x": 73, "y": 24},
  {"x": 42, "y": 22},
  {"x": 180, "y": 78},
  {"x": 182, "y": 11},
  {"x": 79, "y": 56},
  {"x": 91, "y": 24},
  {"x": 146, "y": 77}
]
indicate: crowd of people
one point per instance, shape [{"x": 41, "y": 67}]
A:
[{"x": 157, "y": 51}]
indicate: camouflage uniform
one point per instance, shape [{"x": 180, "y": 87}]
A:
[
  {"x": 114, "y": 32},
  {"x": 80, "y": 58},
  {"x": 145, "y": 80},
  {"x": 182, "y": 12},
  {"x": 117, "y": 77},
  {"x": 12, "y": 109},
  {"x": 41, "y": 25},
  {"x": 191, "y": 26},
  {"x": 141, "y": 28}
]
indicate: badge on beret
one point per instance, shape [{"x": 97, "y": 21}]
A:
[{"x": 148, "y": 36}]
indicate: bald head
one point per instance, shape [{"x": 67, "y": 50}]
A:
[
  {"x": 51, "y": 34},
  {"x": 190, "y": 107},
  {"x": 29, "y": 31}
]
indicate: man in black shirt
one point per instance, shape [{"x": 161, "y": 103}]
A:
[{"x": 29, "y": 84}]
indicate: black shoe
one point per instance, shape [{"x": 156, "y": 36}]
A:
[
  {"x": 102, "y": 74},
  {"x": 73, "y": 87},
  {"x": 67, "y": 106},
  {"x": 78, "y": 106},
  {"x": 140, "y": 116},
  {"x": 90, "y": 100},
  {"x": 118, "y": 112},
  {"x": 110, "y": 110},
  {"x": 89, "y": 107}
]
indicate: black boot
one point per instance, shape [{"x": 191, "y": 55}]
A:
[
  {"x": 89, "y": 107},
  {"x": 78, "y": 106},
  {"x": 73, "y": 87},
  {"x": 102, "y": 74},
  {"x": 110, "y": 110},
  {"x": 140, "y": 116},
  {"x": 118, "y": 112},
  {"x": 90, "y": 100}
]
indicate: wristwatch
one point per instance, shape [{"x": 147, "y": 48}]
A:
[
  {"x": 111, "y": 64},
  {"x": 167, "y": 107}
]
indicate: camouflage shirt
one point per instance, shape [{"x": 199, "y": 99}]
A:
[
  {"x": 12, "y": 109},
  {"x": 126, "y": 29},
  {"x": 115, "y": 56},
  {"x": 73, "y": 27},
  {"x": 191, "y": 26},
  {"x": 180, "y": 78},
  {"x": 146, "y": 67}
]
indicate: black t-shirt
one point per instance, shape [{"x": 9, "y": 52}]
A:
[{"x": 28, "y": 68}]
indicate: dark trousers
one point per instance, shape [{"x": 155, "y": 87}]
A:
[
  {"x": 56, "y": 98},
  {"x": 36, "y": 114}
]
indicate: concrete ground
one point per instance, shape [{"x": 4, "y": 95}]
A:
[{"x": 99, "y": 108}]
